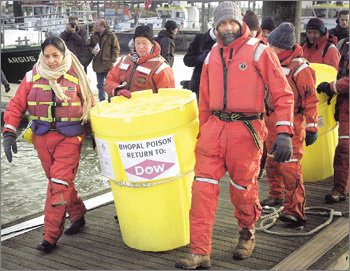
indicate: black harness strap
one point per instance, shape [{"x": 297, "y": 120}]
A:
[{"x": 246, "y": 120}]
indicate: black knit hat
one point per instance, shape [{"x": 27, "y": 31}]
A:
[
  {"x": 283, "y": 36},
  {"x": 144, "y": 31},
  {"x": 171, "y": 25},
  {"x": 251, "y": 20},
  {"x": 316, "y": 24},
  {"x": 268, "y": 24}
]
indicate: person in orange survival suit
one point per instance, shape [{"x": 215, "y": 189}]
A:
[
  {"x": 144, "y": 68},
  {"x": 232, "y": 129},
  {"x": 58, "y": 96},
  {"x": 341, "y": 156},
  {"x": 319, "y": 46},
  {"x": 286, "y": 179}
]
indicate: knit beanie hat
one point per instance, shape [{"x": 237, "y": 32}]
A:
[
  {"x": 171, "y": 25},
  {"x": 283, "y": 36},
  {"x": 227, "y": 10},
  {"x": 268, "y": 24},
  {"x": 316, "y": 24},
  {"x": 251, "y": 20},
  {"x": 144, "y": 31}
]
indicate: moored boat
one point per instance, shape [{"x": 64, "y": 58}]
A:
[
  {"x": 326, "y": 12},
  {"x": 22, "y": 35}
]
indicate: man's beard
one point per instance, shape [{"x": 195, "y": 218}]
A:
[{"x": 229, "y": 36}]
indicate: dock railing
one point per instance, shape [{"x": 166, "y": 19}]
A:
[{"x": 33, "y": 30}]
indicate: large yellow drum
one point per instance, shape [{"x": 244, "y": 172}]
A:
[
  {"x": 146, "y": 147},
  {"x": 317, "y": 163}
]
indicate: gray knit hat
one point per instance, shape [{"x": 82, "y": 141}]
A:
[
  {"x": 227, "y": 10},
  {"x": 283, "y": 36}
]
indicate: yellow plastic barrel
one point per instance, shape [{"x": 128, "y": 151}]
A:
[
  {"x": 317, "y": 162},
  {"x": 146, "y": 148}
]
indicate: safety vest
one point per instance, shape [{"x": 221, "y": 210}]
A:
[
  {"x": 45, "y": 108},
  {"x": 294, "y": 67},
  {"x": 237, "y": 87},
  {"x": 139, "y": 76}
]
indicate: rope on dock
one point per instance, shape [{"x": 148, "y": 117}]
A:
[{"x": 267, "y": 221}]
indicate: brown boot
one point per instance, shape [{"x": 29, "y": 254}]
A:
[
  {"x": 193, "y": 261},
  {"x": 245, "y": 244}
]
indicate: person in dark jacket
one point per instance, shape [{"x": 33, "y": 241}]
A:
[
  {"x": 104, "y": 46},
  {"x": 196, "y": 54},
  {"x": 341, "y": 31},
  {"x": 166, "y": 41},
  {"x": 75, "y": 38},
  {"x": 267, "y": 26}
]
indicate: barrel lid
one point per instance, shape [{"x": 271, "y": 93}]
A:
[{"x": 144, "y": 103}]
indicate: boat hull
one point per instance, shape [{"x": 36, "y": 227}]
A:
[{"x": 16, "y": 61}]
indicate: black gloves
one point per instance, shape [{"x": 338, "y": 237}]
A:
[
  {"x": 310, "y": 138},
  {"x": 282, "y": 146},
  {"x": 7, "y": 88},
  {"x": 10, "y": 142},
  {"x": 326, "y": 88}
]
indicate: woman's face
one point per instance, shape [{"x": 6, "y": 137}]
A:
[
  {"x": 143, "y": 46},
  {"x": 53, "y": 57},
  {"x": 313, "y": 35}
]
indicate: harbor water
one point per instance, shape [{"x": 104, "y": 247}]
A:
[{"x": 24, "y": 183}]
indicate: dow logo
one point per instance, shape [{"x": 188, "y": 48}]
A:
[{"x": 149, "y": 169}]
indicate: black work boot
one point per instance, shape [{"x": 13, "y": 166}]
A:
[
  {"x": 293, "y": 220},
  {"x": 335, "y": 197},
  {"x": 45, "y": 246},
  {"x": 270, "y": 201},
  {"x": 75, "y": 227}
]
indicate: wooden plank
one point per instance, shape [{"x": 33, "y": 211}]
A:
[
  {"x": 59, "y": 254},
  {"x": 30, "y": 262},
  {"x": 10, "y": 262},
  {"x": 32, "y": 254},
  {"x": 100, "y": 245},
  {"x": 315, "y": 248},
  {"x": 31, "y": 224}
]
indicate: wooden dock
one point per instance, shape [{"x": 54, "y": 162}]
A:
[{"x": 100, "y": 246}]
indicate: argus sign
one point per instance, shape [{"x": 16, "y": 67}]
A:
[
  {"x": 151, "y": 159},
  {"x": 15, "y": 62}
]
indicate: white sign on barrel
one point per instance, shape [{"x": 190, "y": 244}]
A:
[{"x": 150, "y": 159}]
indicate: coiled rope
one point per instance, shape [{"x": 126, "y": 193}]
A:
[{"x": 267, "y": 221}]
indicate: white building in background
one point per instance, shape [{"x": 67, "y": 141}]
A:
[{"x": 327, "y": 12}]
